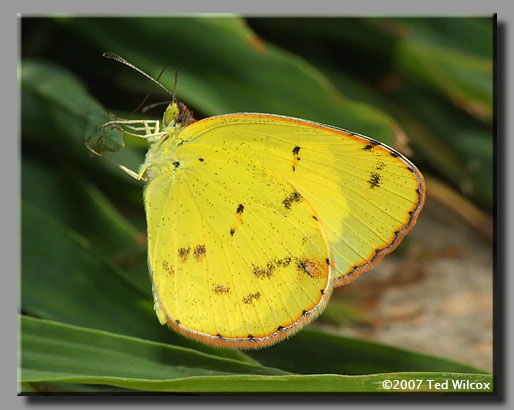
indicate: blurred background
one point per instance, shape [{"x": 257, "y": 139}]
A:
[{"x": 421, "y": 85}]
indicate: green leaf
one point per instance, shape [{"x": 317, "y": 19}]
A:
[
  {"x": 53, "y": 98},
  {"x": 295, "y": 383},
  {"x": 71, "y": 388},
  {"x": 466, "y": 80},
  {"x": 59, "y": 353},
  {"x": 452, "y": 56},
  {"x": 80, "y": 205},
  {"x": 324, "y": 353},
  {"x": 468, "y": 168},
  {"x": 59, "y": 116}
]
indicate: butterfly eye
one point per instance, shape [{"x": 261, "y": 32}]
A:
[{"x": 171, "y": 114}]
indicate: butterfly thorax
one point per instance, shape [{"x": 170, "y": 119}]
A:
[{"x": 161, "y": 156}]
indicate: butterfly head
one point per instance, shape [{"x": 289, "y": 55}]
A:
[{"x": 177, "y": 115}]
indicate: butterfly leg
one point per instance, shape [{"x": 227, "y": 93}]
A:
[
  {"x": 120, "y": 166},
  {"x": 126, "y": 125},
  {"x": 148, "y": 129},
  {"x": 142, "y": 172}
]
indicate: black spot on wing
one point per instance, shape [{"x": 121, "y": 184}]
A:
[
  {"x": 240, "y": 209},
  {"x": 296, "y": 158},
  {"x": 284, "y": 262},
  {"x": 248, "y": 299},
  {"x": 183, "y": 253},
  {"x": 374, "y": 180},
  {"x": 176, "y": 164},
  {"x": 266, "y": 271},
  {"x": 200, "y": 252},
  {"x": 168, "y": 268},
  {"x": 380, "y": 166},
  {"x": 263, "y": 271},
  {"x": 292, "y": 198},
  {"x": 220, "y": 289}
]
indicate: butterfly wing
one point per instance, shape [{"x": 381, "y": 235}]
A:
[
  {"x": 237, "y": 256},
  {"x": 367, "y": 195}
]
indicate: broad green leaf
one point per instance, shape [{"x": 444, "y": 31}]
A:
[
  {"x": 56, "y": 101},
  {"x": 59, "y": 116},
  {"x": 295, "y": 384},
  {"x": 451, "y": 55},
  {"x": 80, "y": 205},
  {"x": 60, "y": 353},
  {"x": 62, "y": 276},
  {"x": 465, "y": 79},
  {"x": 459, "y": 133},
  {"x": 70, "y": 388},
  {"x": 323, "y": 352},
  {"x": 452, "y": 33},
  {"x": 346, "y": 44},
  {"x": 53, "y": 350},
  {"x": 83, "y": 208}
]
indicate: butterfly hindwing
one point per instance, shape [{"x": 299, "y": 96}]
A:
[{"x": 237, "y": 254}]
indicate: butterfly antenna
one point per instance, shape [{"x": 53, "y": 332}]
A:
[
  {"x": 119, "y": 59},
  {"x": 150, "y": 106},
  {"x": 176, "y": 81},
  {"x": 141, "y": 104}
]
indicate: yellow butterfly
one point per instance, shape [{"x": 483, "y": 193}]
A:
[{"x": 254, "y": 218}]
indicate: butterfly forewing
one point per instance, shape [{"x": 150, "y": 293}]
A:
[{"x": 366, "y": 195}]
